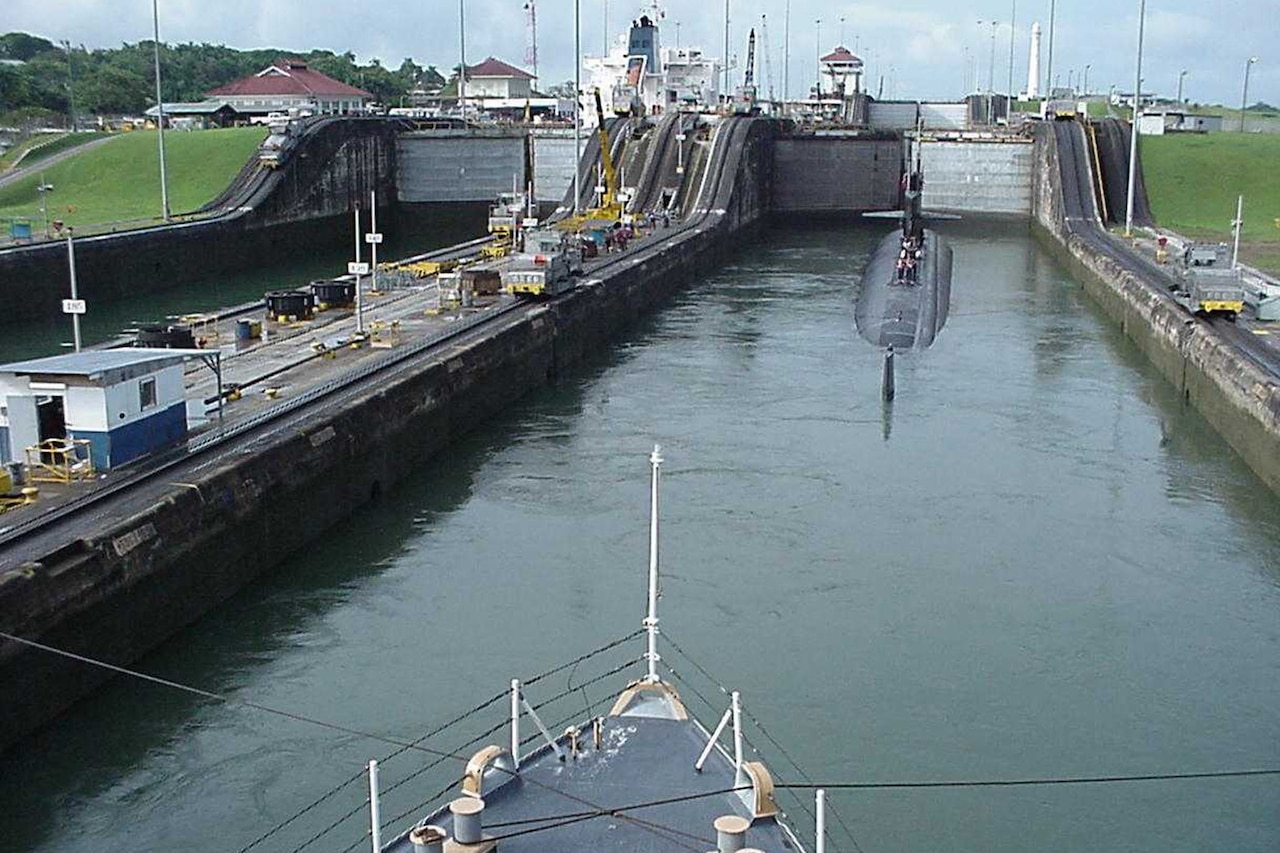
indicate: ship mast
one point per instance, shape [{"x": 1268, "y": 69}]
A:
[{"x": 651, "y": 620}]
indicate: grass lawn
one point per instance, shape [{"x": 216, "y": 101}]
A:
[
  {"x": 1193, "y": 181},
  {"x": 120, "y": 180}
]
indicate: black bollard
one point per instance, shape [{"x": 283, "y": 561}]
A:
[{"x": 887, "y": 389}]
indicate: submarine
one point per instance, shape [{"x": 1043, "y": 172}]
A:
[{"x": 906, "y": 290}]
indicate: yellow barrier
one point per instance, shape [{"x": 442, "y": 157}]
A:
[{"x": 60, "y": 460}]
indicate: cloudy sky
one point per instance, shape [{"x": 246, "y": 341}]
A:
[{"x": 928, "y": 49}]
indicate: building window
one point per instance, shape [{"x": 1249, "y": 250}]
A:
[{"x": 147, "y": 393}]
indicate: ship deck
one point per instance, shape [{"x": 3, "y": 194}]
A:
[{"x": 641, "y": 760}]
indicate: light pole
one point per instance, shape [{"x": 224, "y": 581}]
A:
[
  {"x": 1085, "y": 85},
  {"x": 71, "y": 87},
  {"x": 1048, "y": 72},
  {"x": 1181, "y": 74},
  {"x": 818, "y": 55},
  {"x": 577, "y": 107},
  {"x": 75, "y": 295},
  {"x": 1244, "y": 97},
  {"x": 1133, "y": 128},
  {"x": 725, "y": 90},
  {"x": 991, "y": 74},
  {"x": 462, "y": 51},
  {"x": 44, "y": 188},
  {"x": 164, "y": 178},
  {"x": 786, "y": 57},
  {"x": 1013, "y": 34}
]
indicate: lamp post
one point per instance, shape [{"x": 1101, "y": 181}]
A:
[
  {"x": 73, "y": 309},
  {"x": 1133, "y": 129},
  {"x": 577, "y": 107},
  {"x": 71, "y": 87},
  {"x": 44, "y": 188},
  {"x": 1181, "y": 74},
  {"x": 818, "y": 60},
  {"x": 1085, "y": 84},
  {"x": 725, "y": 90},
  {"x": 786, "y": 57},
  {"x": 462, "y": 51},
  {"x": 1048, "y": 72},
  {"x": 1013, "y": 34},
  {"x": 164, "y": 179},
  {"x": 991, "y": 74},
  {"x": 1244, "y": 97}
]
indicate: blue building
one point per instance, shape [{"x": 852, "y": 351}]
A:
[{"x": 124, "y": 402}]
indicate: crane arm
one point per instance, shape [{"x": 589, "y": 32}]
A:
[
  {"x": 606, "y": 159},
  {"x": 749, "y": 78}
]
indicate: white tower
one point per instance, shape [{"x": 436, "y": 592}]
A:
[{"x": 1033, "y": 63}]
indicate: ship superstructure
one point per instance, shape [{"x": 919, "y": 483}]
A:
[{"x": 641, "y": 77}]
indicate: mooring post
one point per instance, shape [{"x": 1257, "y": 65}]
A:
[{"x": 887, "y": 389}]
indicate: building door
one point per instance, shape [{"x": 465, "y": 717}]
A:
[{"x": 51, "y": 415}]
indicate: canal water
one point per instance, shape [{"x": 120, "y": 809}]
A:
[{"x": 1038, "y": 564}]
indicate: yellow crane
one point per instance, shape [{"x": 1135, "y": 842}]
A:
[{"x": 610, "y": 207}]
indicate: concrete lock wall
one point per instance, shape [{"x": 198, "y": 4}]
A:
[
  {"x": 1236, "y": 397},
  {"x": 978, "y": 177},
  {"x": 266, "y": 214},
  {"x": 553, "y": 165},
  {"x": 458, "y": 168},
  {"x": 836, "y": 174}
]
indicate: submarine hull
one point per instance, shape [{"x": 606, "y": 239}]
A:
[{"x": 901, "y": 314}]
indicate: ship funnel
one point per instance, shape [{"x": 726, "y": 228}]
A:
[
  {"x": 731, "y": 833},
  {"x": 467, "y": 812},
  {"x": 428, "y": 838}
]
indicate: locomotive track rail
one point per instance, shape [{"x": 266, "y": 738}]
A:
[{"x": 1082, "y": 220}]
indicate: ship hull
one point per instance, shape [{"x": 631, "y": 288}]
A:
[{"x": 904, "y": 315}]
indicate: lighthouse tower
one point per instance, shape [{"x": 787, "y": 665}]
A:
[{"x": 1033, "y": 63}]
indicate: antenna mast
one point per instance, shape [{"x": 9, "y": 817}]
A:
[
  {"x": 531, "y": 49},
  {"x": 651, "y": 620}
]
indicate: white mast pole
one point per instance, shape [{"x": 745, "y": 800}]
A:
[
  {"x": 651, "y": 621},
  {"x": 577, "y": 104},
  {"x": 1235, "y": 226},
  {"x": 164, "y": 178},
  {"x": 1133, "y": 126}
]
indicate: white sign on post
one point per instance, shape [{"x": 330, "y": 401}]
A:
[
  {"x": 73, "y": 306},
  {"x": 373, "y": 238},
  {"x": 354, "y": 268}
]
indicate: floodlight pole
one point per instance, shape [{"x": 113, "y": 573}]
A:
[
  {"x": 1133, "y": 130},
  {"x": 1235, "y": 227},
  {"x": 164, "y": 179},
  {"x": 577, "y": 105},
  {"x": 1013, "y": 35},
  {"x": 75, "y": 294},
  {"x": 786, "y": 59},
  {"x": 1244, "y": 97},
  {"x": 462, "y": 50}
]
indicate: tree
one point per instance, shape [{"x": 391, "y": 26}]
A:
[{"x": 23, "y": 46}]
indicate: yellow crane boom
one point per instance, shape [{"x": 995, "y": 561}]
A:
[{"x": 609, "y": 201}]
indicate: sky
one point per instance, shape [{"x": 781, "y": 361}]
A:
[{"x": 929, "y": 49}]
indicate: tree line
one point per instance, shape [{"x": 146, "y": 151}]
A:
[{"x": 40, "y": 78}]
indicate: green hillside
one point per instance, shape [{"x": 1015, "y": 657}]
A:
[
  {"x": 119, "y": 182},
  {"x": 1193, "y": 181}
]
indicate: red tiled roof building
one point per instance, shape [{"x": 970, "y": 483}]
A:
[{"x": 290, "y": 84}]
